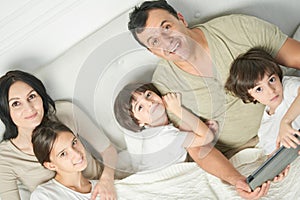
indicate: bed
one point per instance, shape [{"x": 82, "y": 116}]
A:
[{"x": 188, "y": 181}]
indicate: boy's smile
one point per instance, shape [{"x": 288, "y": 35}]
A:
[{"x": 148, "y": 109}]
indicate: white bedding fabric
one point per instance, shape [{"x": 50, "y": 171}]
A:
[{"x": 188, "y": 181}]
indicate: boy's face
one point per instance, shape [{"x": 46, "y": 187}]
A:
[
  {"x": 148, "y": 109},
  {"x": 268, "y": 91}
]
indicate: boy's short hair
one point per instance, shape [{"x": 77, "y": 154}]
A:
[
  {"x": 123, "y": 108},
  {"x": 249, "y": 68},
  {"x": 138, "y": 17}
]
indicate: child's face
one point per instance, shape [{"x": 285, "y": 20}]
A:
[
  {"x": 148, "y": 109},
  {"x": 268, "y": 91},
  {"x": 68, "y": 154}
]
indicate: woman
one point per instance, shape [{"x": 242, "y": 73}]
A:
[
  {"x": 24, "y": 103},
  {"x": 58, "y": 149}
]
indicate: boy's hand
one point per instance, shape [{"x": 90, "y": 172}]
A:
[
  {"x": 286, "y": 136},
  {"x": 172, "y": 102},
  {"x": 213, "y": 126}
]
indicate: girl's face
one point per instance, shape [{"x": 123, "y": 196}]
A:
[
  {"x": 268, "y": 91},
  {"x": 67, "y": 155},
  {"x": 25, "y": 106},
  {"x": 148, "y": 109}
]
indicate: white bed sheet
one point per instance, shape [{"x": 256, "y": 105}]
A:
[{"x": 188, "y": 181}]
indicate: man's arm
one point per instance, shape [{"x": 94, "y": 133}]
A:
[
  {"x": 214, "y": 162},
  {"x": 289, "y": 54}
]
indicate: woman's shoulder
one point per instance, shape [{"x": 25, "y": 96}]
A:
[
  {"x": 10, "y": 154},
  {"x": 5, "y": 147}
]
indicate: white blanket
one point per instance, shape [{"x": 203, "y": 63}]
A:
[{"x": 188, "y": 181}]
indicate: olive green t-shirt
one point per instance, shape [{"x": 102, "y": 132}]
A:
[{"x": 227, "y": 37}]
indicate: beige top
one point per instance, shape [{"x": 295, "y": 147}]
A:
[
  {"x": 227, "y": 37},
  {"x": 17, "y": 167}
]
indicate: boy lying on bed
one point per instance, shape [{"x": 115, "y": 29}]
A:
[{"x": 141, "y": 108}]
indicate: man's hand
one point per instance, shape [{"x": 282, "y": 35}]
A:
[
  {"x": 245, "y": 192},
  {"x": 282, "y": 175}
]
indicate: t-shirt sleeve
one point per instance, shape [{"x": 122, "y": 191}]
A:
[
  {"x": 291, "y": 86},
  {"x": 245, "y": 30},
  {"x": 39, "y": 194},
  {"x": 8, "y": 184}
]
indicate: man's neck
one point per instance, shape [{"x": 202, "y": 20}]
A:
[{"x": 199, "y": 63}]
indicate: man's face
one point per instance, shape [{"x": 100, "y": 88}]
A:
[{"x": 166, "y": 36}]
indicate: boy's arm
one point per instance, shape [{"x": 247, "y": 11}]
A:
[
  {"x": 286, "y": 131},
  {"x": 189, "y": 122}
]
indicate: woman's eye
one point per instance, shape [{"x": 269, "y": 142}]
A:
[
  {"x": 258, "y": 89},
  {"x": 15, "y": 104},
  {"x": 31, "y": 96}
]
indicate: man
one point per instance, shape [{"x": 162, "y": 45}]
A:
[{"x": 196, "y": 64}]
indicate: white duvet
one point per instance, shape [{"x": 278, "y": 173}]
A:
[{"x": 188, "y": 181}]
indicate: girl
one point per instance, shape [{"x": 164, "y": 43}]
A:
[{"x": 59, "y": 150}]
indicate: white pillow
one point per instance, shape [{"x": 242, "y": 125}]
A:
[
  {"x": 296, "y": 35},
  {"x": 2, "y": 129}
]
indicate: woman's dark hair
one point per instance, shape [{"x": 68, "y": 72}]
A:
[
  {"x": 44, "y": 136},
  {"x": 6, "y": 81},
  {"x": 138, "y": 17},
  {"x": 248, "y": 69},
  {"x": 123, "y": 107}
]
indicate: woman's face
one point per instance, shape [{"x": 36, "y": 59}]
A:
[
  {"x": 25, "y": 106},
  {"x": 148, "y": 109},
  {"x": 68, "y": 154}
]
